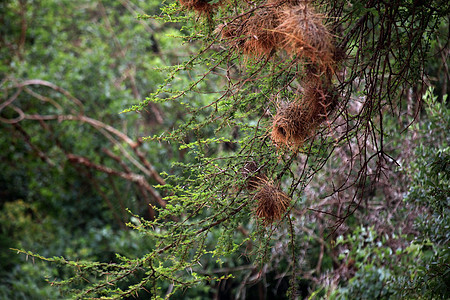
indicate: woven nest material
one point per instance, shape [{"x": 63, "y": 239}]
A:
[
  {"x": 296, "y": 121},
  {"x": 305, "y": 35},
  {"x": 253, "y": 175},
  {"x": 322, "y": 98},
  {"x": 271, "y": 202},
  {"x": 292, "y": 124},
  {"x": 254, "y": 35},
  {"x": 286, "y": 2},
  {"x": 200, "y": 6}
]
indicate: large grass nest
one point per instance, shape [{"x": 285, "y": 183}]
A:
[
  {"x": 255, "y": 34},
  {"x": 295, "y": 121},
  {"x": 203, "y": 7},
  {"x": 271, "y": 202},
  {"x": 305, "y": 35},
  {"x": 292, "y": 124},
  {"x": 292, "y": 25}
]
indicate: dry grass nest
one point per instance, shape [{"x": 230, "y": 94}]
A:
[
  {"x": 271, "y": 202},
  {"x": 286, "y": 2},
  {"x": 292, "y": 124},
  {"x": 292, "y": 25},
  {"x": 296, "y": 121},
  {"x": 323, "y": 99},
  {"x": 305, "y": 35},
  {"x": 255, "y": 34},
  {"x": 253, "y": 175},
  {"x": 203, "y": 7}
]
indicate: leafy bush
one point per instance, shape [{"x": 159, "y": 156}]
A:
[{"x": 250, "y": 159}]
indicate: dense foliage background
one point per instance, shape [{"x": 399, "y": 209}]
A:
[{"x": 124, "y": 143}]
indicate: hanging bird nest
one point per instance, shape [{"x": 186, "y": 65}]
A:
[
  {"x": 292, "y": 124},
  {"x": 305, "y": 35},
  {"x": 296, "y": 121},
  {"x": 253, "y": 175},
  {"x": 234, "y": 32},
  {"x": 286, "y": 2},
  {"x": 203, "y": 7},
  {"x": 323, "y": 99},
  {"x": 271, "y": 202},
  {"x": 261, "y": 37},
  {"x": 255, "y": 34}
]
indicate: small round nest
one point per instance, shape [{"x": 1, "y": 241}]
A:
[
  {"x": 234, "y": 32},
  {"x": 305, "y": 35},
  {"x": 200, "y": 6},
  {"x": 292, "y": 124},
  {"x": 253, "y": 175},
  {"x": 296, "y": 121},
  {"x": 261, "y": 37},
  {"x": 254, "y": 35},
  {"x": 271, "y": 202}
]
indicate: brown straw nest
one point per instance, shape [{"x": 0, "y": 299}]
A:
[
  {"x": 292, "y": 124},
  {"x": 323, "y": 99},
  {"x": 286, "y": 2},
  {"x": 296, "y": 121},
  {"x": 203, "y": 7},
  {"x": 255, "y": 34},
  {"x": 292, "y": 25},
  {"x": 305, "y": 35},
  {"x": 271, "y": 202},
  {"x": 253, "y": 175}
]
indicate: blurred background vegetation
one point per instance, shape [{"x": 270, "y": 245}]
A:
[
  {"x": 88, "y": 60},
  {"x": 74, "y": 170}
]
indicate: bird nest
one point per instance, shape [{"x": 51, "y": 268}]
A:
[
  {"x": 323, "y": 99},
  {"x": 253, "y": 175},
  {"x": 271, "y": 202},
  {"x": 305, "y": 35},
  {"x": 295, "y": 121},
  {"x": 292, "y": 25},
  {"x": 255, "y": 34},
  {"x": 292, "y": 124},
  {"x": 203, "y": 7}
]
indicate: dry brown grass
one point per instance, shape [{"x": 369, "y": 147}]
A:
[
  {"x": 296, "y": 121},
  {"x": 271, "y": 202},
  {"x": 253, "y": 175},
  {"x": 305, "y": 35},
  {"x": 200, "y": 6},
  {"x": 322, "y": 97},
  {"x": 255, "y": 34},
  {"x": 292, "y": 124}
]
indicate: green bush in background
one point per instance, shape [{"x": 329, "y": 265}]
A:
[{"x": 123, "y": 142}]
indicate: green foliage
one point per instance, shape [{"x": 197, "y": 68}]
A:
[
  {"x": 419, "y": 269},
  {"x": 80, "y": 94},
  {"x": 430, "y": 188},
  {"x": 431, "y": 170},
  {"x": 82, "y": 65}
]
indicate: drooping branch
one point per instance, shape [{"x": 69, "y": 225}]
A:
[
  {"x": 114, "y": 135},
  {"x": 133, "y": 177}
]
